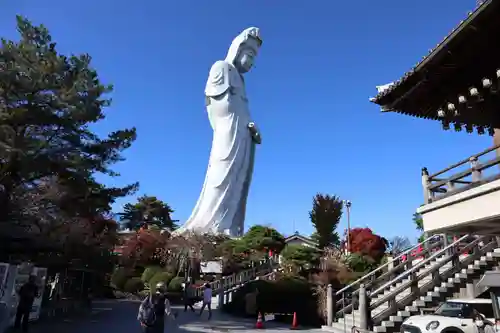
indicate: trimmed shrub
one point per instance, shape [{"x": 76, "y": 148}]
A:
[
  {"x": 176, "y": 284},
  {"x": 149, "y": 272},
  {"x": 164, "y": 277},
  {"x": 286, "y": 296},
  {"x": 143, "y": 294},
  {"x": 133, "y": 285},
  {"x": 119, "y": 278}
]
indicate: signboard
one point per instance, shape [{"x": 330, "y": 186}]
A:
[{"x": 211, "y": 267}]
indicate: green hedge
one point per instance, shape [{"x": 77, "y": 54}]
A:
[
  {"x": 175, "y": 284},
  {"x": 288, "y": 295},
  {"x": 164, "y": 277},
  {"x": 119, "y": 277},
  {"x": 133, "y": 285},
  {"x": 149, "y": 272}
]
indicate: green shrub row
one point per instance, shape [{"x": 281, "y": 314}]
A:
[
  {"x": 286, "y": 296},
  {"x": 124, "y": 280}
]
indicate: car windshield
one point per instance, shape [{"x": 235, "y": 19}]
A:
[
  {"x": 451, "y": 309},
  {"x": 464, "y": 310}
]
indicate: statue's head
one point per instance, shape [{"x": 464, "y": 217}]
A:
[{"x": 244, "y": 49}]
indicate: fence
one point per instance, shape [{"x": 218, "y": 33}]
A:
[{"x": 466, "y": 174}]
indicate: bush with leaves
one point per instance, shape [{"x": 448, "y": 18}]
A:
[
  {"x": 149, "y": 272},
  {"x": 334, "y": 269},
  {"x": 146, "y": 247},
  {"x": 364, "y": 242},
  {"x": 263, "y": 239},
  {"x": 120, "y": 277},
  {"x": 175, "y": 284},
  {"x": 298, "y": 257},
  {"x": 133, "y": 285},
  {"x": 361, "y": 263},
  {"x": 287, "y": 295},
  {"x": 164, "y": 277}
]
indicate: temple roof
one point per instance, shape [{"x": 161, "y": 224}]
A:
[
  {"x": 461, "y": 61},
  {"x": 301, "y": 238}
]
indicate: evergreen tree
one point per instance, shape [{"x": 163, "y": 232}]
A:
[
  {"x": 148, "y": 210},
  {"x": 325, "y": 217},
  {"x": 48, "y": 103}
]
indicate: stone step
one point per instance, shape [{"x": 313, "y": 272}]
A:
[{"x": 431, "y": 297}]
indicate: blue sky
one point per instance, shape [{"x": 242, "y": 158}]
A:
[{"x": 319, "y": 64}]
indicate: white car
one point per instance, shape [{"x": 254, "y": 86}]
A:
[{"x": 452, "y": 316}]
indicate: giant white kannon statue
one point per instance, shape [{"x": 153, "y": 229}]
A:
[{"x": 222, "y": 203}]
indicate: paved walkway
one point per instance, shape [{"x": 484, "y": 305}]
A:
[{"x": 121, "y": 317}]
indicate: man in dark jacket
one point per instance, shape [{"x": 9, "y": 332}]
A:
[
  {"x": 27, "y": 294},
  {"x": 187, "y": 296}
]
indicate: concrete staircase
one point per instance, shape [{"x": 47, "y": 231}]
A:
[
  {"x": 235, "y": 280},
  {"x": 404, "y": 286}
]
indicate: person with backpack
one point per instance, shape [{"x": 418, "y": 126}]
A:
[
  {"x": 153, "y": 309},
  {"x": 27, "y": 294}
]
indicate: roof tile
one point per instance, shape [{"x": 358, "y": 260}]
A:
[{"x": 408, "y": 74}]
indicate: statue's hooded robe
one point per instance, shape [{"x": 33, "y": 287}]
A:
[{"x": 222, "y": 202}]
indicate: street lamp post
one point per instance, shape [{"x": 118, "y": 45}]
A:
[{"x": 347, "y": 205}]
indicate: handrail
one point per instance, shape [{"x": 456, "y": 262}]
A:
[
  {"x": 453, "y": 166},
  {"x": 420, "y": 265},
  {"x": 371, "y": 273},
  {"x": 258, "y": 269},
  {"x": 455, "y": 178},
  {"x": 383, "y": 277}
]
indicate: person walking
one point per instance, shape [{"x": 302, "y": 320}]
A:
[
  {"x": 27, "y": 294},
  {"x": 187, "y": 296},
  {"x": 207, "y": 300},
  {"x": 153, "y": 310}
]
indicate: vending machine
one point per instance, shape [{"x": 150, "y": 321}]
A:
[
  {"x": 21, "y": 274},
  {"x": 13, "y": 277}
]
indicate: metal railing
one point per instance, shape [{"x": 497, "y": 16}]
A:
[
  {"x": 345, "y": 297},
  {"x": 450, "y": 254},
  {"x": 226, "y": 282},
  {"x": 441, "y": 265},
  {"x": 418, "y": 266},
  {"x": 385, "y": 266},
  {"x": 437, "y": 188},
  {"x": 385, "y": 287}
]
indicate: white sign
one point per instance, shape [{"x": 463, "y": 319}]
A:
[{"x": 213, "y": 267}]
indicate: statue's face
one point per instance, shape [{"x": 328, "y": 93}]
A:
[
  {"x": 245, "y": 60},
  {"x": 246, "y": 56}
]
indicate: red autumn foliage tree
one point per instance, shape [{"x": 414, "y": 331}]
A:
[
  {"x": 145, "y": 246},
  {"x": 364, "y": 242}
]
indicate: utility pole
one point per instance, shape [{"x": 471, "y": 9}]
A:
[{"x": 347, "y": 205}]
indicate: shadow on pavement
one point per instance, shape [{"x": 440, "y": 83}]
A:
[{"x": 111, "y": 316}]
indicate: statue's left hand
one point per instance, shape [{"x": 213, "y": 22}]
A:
[{"x": 254, "y": 132}]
